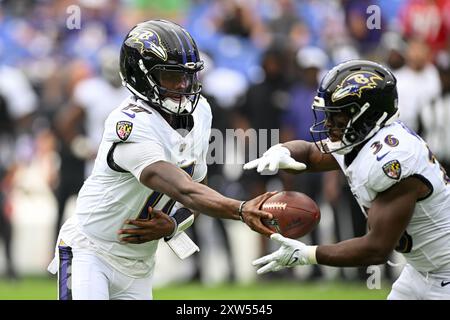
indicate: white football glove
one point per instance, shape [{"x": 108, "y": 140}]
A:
[
  {"x": 277, "y": 157},
  {"x": 291, "y": 253}
]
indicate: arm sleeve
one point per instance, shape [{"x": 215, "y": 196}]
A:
[{"x": 135, "y": 157}]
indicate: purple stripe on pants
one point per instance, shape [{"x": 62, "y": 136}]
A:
[{"x": 65, "y": 272}]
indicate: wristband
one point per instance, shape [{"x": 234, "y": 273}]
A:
[
  {"x": 312, "y": 254},
  {"x": 241, "y": 206},
  {"x": 183, "y": 218}
]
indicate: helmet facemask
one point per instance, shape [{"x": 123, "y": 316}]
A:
[
  {"x": 173, "y": 88},
  {"x": 360, "y": 126}
]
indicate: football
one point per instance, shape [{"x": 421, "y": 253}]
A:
[{"x": 294, "y": 214}]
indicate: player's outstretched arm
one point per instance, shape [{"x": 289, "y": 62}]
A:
[
  {"x": 293, "y": 156},
  {"x": 178, "y": 185},
  {"x": 311, "y": 156},
  {"x": 388, "y": 217}
]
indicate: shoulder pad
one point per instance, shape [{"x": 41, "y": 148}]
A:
[{"x": 131, "y": 122}]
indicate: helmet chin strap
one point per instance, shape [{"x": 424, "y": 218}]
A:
[
  {"x": 173, "y": 106},
  {"x": 339, "y": 146}
]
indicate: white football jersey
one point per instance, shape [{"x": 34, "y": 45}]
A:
[
  {"x": 394, "y": 153},
  {"x": 109, "y": 196}
]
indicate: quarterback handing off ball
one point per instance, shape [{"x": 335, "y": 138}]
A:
[{"x": 294, "y": 214}]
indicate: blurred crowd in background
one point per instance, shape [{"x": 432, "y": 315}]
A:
[{"x": 263, "y": 62}]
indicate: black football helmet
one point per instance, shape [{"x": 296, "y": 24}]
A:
[
  {"x": 159, "y": 62},
  {"x": 365, "y": 92}
]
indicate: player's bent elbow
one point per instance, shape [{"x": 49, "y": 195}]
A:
[
  {"x": 378, "y": 259},
  {"x": 378, "y": 255},
  {"x": 376, "y": 248}
]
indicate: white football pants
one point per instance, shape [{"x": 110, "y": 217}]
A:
[
  {"x": 84, "y": 276},
  {"x": 414, "y": 285}
]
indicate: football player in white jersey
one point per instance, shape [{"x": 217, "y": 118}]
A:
[
  {"x": 145, "y": 183},
  {"x": 395, "y": 178}
]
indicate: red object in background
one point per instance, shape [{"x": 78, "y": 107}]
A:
[{"x": 429, "y": 20}]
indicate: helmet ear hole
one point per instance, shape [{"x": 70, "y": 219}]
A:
[
  {"x": 350, "y": 137},
  {"x": 352, "y": 110}
]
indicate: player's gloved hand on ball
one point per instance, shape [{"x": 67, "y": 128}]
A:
[
  {"x": 277, "y": 157},
  {"x": 252, "y": 215},
  {"x": 291, "y": 253},
  {"x": 159, "y": 225}
]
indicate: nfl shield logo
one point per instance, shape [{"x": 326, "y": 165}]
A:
[{"x": 123, "y": 129}]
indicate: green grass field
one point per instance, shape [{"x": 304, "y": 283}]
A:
[{"x": 45, "y": 289}]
